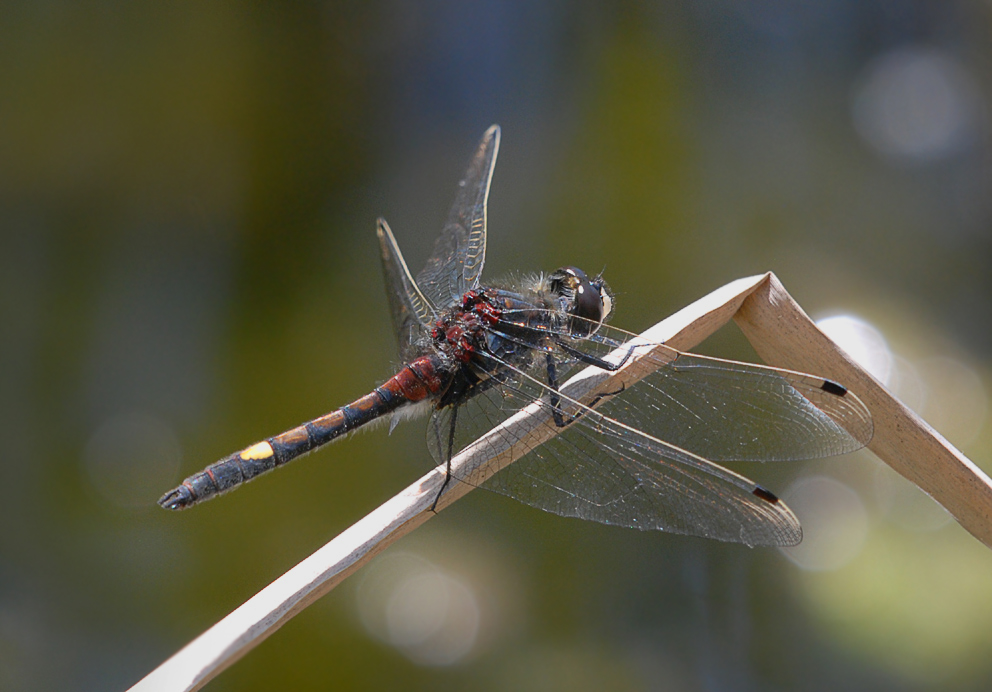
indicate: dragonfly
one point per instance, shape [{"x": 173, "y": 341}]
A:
[{"x": 645, "y": 456}]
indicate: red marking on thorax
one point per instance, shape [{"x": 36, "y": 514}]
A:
[
  {"x": 488, "y": 312},
  {"x": 463, "y": 331}
]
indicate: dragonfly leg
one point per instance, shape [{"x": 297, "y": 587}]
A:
[
  {"x": 447, "y": 456},
  {"x": 556, "y": 410},
  {"x": 596, "y": 361}
]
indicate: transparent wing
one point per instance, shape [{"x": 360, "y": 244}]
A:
[
  {"x": 410, "y": 310},
  {"x": 459, "y": 252},
  {"x": 643, "y": 457},
  {"x": 726, "y": 410},
  {"x": 601, "y": 470}
]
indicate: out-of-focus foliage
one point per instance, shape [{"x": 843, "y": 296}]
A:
[{"x": 187, "y": 264}]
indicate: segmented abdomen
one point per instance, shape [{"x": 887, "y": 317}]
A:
[{"x": 424, "y": 378}]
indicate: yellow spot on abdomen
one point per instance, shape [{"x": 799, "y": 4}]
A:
[{"x": 262, "y": 450}]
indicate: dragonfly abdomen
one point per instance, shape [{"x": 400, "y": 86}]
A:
[{"x": 424, "y": 378}]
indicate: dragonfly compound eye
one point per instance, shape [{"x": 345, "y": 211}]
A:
[{"x": 586, "y": 300}]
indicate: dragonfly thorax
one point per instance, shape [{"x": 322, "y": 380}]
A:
[{"x": 460, "y": 332}]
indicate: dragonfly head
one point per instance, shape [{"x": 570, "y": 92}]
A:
[{"x": 587, "y": 301}]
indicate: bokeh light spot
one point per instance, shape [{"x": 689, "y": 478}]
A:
[
  {"x": 863, "y": 342},
  {"x": 834, "y": 520},
  {"x": 906, "y": 384},
  {"x": 409, "y": 603},
  {"x": 905, "y": 505},
  {"x": 916, "y": 104},
  {"x": 956, "y": 402}
]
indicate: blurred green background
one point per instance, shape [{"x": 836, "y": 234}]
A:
[{"x": 188, "y": 264}]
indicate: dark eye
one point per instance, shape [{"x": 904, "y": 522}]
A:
[
  {"x": 583, "y": 299},
  {"x": 604, "y": 295},
  {"x": 588, "y": 303}
]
